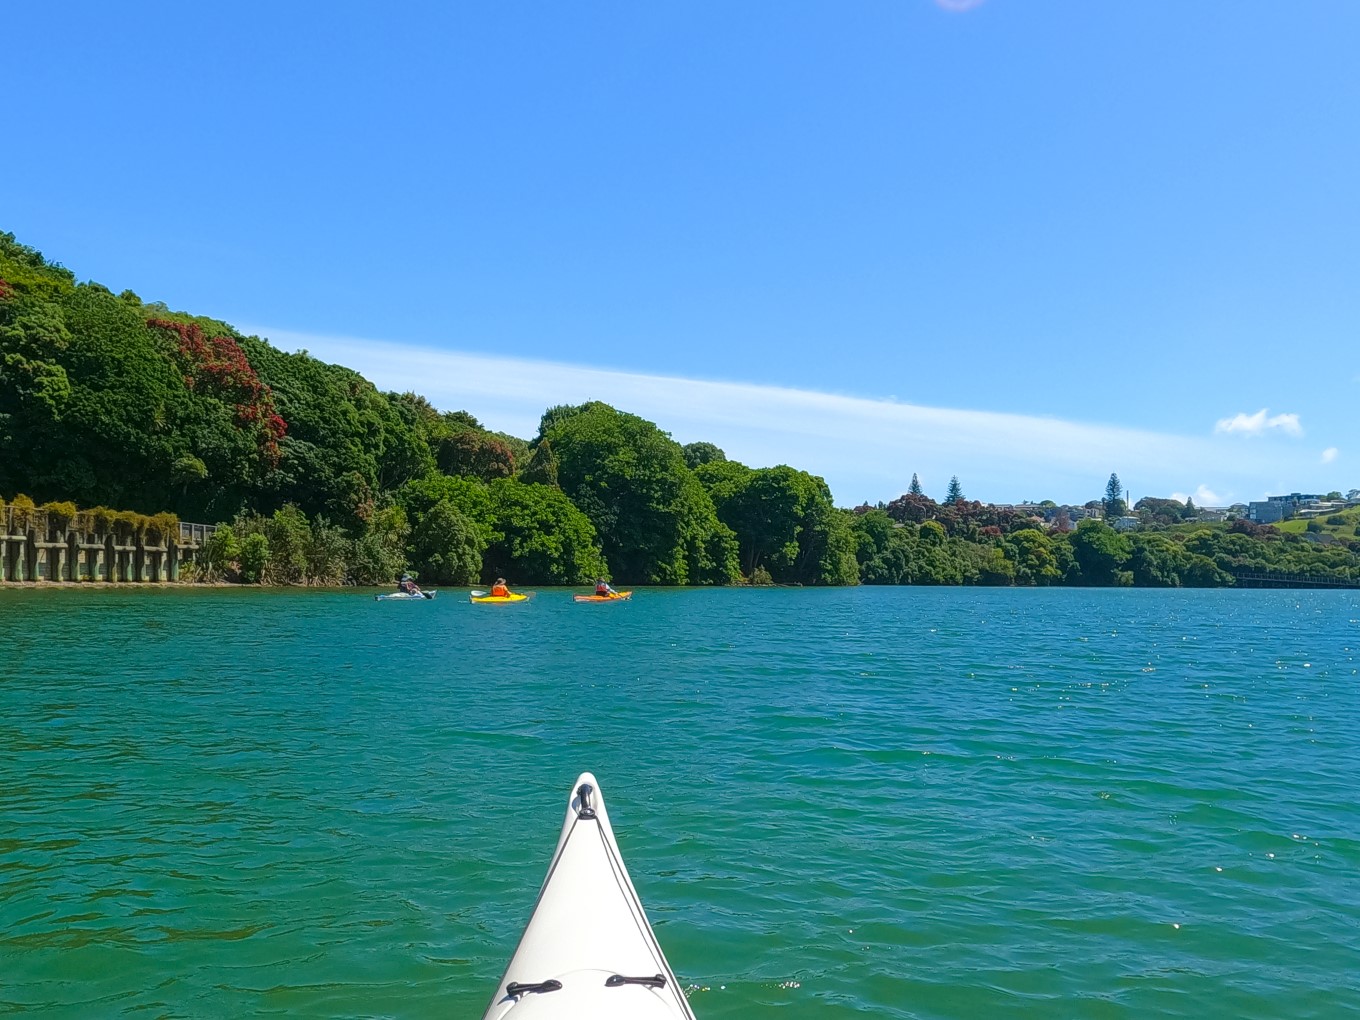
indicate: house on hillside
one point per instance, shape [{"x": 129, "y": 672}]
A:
[
  {"x": 1267, "y": 511},
  {"x": 1282, "y": 508},
  {"x": 1323, "y": 508}
]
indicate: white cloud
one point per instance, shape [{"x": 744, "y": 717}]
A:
[
  {"x": 1203, "y": 496},
  {"x": 1258, "y": 424},
  {"x": 1329, "y": 454},
  {"x": 865, "y": 448},
  {"x": 959, "y": 5}
]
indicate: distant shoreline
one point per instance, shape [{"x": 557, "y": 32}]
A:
[{"x": 206, "y": 586}]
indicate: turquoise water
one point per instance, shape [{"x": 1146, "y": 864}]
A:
[{"x": 878, "y": 802}]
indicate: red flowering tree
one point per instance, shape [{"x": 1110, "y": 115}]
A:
[{"x": 219, "y": 364}]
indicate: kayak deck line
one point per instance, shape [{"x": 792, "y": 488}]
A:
[
  {"x": 618, "y": 979},
  {"x": 517, "y": 989},
  {"x": 588, "y": 950}
]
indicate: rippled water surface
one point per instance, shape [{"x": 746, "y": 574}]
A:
[{"x": 878, "y": 802}]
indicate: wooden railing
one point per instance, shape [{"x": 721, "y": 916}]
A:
[
  {"x": 194, "y": 534},
  {"x": 1280, "y": 579}
]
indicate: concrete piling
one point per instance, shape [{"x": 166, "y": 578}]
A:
[{"x": 38, "y": 546}]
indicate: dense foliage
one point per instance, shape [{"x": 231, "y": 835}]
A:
[
  {"x": 1203, "y": 555},
  {"x": 784, "y": 521},
  {"x": 656, "y": 522},
  {"x": 324, "y": 479},
  {"x": 100, "y": 406}
]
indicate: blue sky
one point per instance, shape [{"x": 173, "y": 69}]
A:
[{"x": 1027, "y": 242}]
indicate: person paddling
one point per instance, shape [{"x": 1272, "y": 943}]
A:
[
  {"x": 602, "y": 588},
  {"x": 407, "y": 586},
  {"x": 499, "y": 589}
]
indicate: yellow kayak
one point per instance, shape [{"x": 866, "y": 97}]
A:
[
  {"x": 618, "y": 596},
  {"x": 481, "y": 596}
]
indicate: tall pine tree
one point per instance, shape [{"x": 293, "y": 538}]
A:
[
  {"x": 955, "y": 492},
  {"x": 915, "y": 488},
  {"x": 1114, "y": 498}
]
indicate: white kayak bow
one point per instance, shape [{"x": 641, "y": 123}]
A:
[{"x": 588, "y": 950}]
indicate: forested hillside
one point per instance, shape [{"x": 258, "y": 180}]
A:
[{"x": 109, "y": 401}]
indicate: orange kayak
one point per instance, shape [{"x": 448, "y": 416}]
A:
[{"x": 621, "y": 596}]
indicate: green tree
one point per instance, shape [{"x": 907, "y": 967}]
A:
[
  {"x": 290, "y": 538},
  {"x": 656, "y": 523},
  {"x": 1156, "y": 561},
  {"x": 1202, "y": 572},
  {"x": 702, "y": 453},
  {"x": 469, "y": 496},
  {"x": 955, "y": 493},
  {"x": 1101, "y": 552},
  {"x": 379, "y": 553},
  {"x": 915, "y": 488},
  {"x": 540, "y": 537},
  {"x": 784, "y": 521},
  {"x": 542, "y": 466},
  {"x": 476, "y": 455},
  {"x": 326, "y": 553},
  {"x": 1156, "y": 512},
  {"x": 188, "y": 471},
  {"x": 219, "y": 553},
  {"x": 937, "y": 557},
  {"x": 884, "y": 548},
  {"x": 992, "y": 567},
  {"x": 1031, "y": 551},
  {"x": 347, "y": 443},
  {"x": 1113, "y": 502},
  {"x": 446, "y": 547},
  {"x": 254, "y": 557}
]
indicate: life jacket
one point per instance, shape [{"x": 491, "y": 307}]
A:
[
  {"x": 602, "y": 589},
  {"x": 500, "y": 590}
]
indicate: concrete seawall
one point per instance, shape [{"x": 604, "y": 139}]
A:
[{"x": 42, "y": 546}]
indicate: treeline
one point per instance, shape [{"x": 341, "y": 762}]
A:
[
  {"x": 322, "y": 478},
  {"x": 106, "y": 399},
  {"x": 914, "y": 540}
]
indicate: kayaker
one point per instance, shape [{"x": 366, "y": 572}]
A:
[
  {"x": 499, "y": 589},
  {"x": 407, "y": 586},
  {"x": 602, "y": 588}
]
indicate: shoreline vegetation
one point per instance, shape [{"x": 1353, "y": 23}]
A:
[{"x": 316, "y": 477}]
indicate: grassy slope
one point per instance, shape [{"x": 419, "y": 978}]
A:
[{"x": 1346, "y": 530}]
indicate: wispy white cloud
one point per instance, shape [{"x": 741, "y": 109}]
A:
[
  {"x": 1329, "y": 454},
  {"x": 866, "y": 449},
  {"x": 1204, "y": 496},
  {"x": 959, "y": 6},
  {"x": 1259, "y": 423}
]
